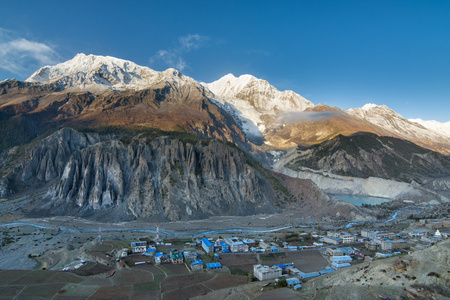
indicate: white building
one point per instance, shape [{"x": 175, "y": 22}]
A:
[
  {"x": 347, "y": 238},
  {"x": 263, "y": 272},
  {"x": 138, "y": 247},
  {"x": 332, "y": 240},
  {"x": 236, "y": 245}
]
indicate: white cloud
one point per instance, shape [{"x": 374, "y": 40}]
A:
[
  {"x": 21, "y": 56},
  {"x": 174, "y": 58},
  {"x": 192, "y": 42},
  {"x": 171, "y": 59}
]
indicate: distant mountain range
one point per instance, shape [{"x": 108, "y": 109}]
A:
[
  {"x": 281, "y": 119},
  {"x": 109, "y": 95}
]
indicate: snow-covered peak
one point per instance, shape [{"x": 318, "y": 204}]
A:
[
  {"x": 95, "y": 72},
  {"x": 369, "y": 106},
  {"x": 371, "y": 109},
  {"x": 229, "y": 85},
  {"x": 248, "y": 98},
  {"x": 442, "y": 128},
  {"x": 393, "y": 124},
  {"x": 263, "y": 96}
]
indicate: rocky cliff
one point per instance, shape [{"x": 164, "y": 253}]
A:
[
  {"x": 368, "y": 155},
  {"x": 147, "y": 176},
  {"x": 179, "y": 104}
]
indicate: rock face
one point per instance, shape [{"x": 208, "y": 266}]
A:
[
  {"x": 172, "y": 103},
  {"x": 147, "y": 177},
  {"x": 421, "y": 275},
  {"x": 368, "y": 155}
]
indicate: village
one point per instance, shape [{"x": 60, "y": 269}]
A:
[
  {"x": 163, "y": 265},
  {"x": 288, "y": 261}
]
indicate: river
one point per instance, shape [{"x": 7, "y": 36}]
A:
[{"x": 360, "y": 200}]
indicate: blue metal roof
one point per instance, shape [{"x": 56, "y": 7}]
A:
[
  {"x": 308, "y": 275},
  {"x": 207, "y": 242},
  {"x": 340, "y": 265},
  {"x": 213, "y": 265},
  {"x": 285, "y": 265},
  {"x": 341, "y": 258},
  {"x": 292, "y": 281},
  {"x": 197, "y": 262},
  {"x": 325, "y": 271}
]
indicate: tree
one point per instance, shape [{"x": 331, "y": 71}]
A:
[{"x": 282, "y": 282}]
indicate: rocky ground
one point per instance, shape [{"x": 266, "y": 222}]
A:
[{"x": 424, "y": 274}]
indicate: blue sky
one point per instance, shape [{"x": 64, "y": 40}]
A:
[{"x": 341, "y": 53}]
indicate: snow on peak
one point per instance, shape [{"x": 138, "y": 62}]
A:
[
  {"x": 262, "y": 95},
  {"x": 229, "y": 85},
  {"x": 102, "y": 73},
  {"x": 369, "y": 106},
  {"x": 248, "y": 98},
  {"x": 442, "y": 128}
]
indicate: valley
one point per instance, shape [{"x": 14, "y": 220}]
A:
[{"x": 100, "y": 156}]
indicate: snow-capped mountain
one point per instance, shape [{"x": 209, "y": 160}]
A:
[
  {"x": 249, "y": 98},
  {"x": 441, "y": 128},
  {"x": 391, "y": 123},
  {"x": 99, "y": 73},
  {"x": 254, "y": 104}
]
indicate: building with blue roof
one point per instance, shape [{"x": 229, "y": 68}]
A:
[
  {"x": 282, "y": 266},
  {"x": 197, "y": 265},
  {"x": 207, "y": 245},
  {"x": 326, "y": 270},
  {"x": 308, "y": 275},
  {"x": 213, "y": 265},
  {"x": 341, "y": 259},
  {"x": 338, "y": 266},
  {"x": 225, "y": 247},
  {"x": 292, "y": 281},
  {"x": 332, "y": 240}
]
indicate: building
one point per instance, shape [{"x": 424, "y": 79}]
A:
[
  {"x": 215, "y": 265},
  {"x": 417, "y": 233},
  {"x": 122, "y": 253},
  {"x": 197, "y": 265},
  {"x": 326, "y": 270},
  {"x": 392, "y": 235},
  {"x": 138, "y": 247},
  {"x": 341, "y": 259},
  {"x": 338, "y": 266},
  {"x": 263, "y": 272},
  {"x": 176, "y": 258},
  {"x": 249, "y": 242},
  {"x": 264, "y": 245},
  {"x": 207, "y": 245},
  {"x": 332, "y": 240},
  {"x": 366, "y": 233},
  {"x": 347, "y": 238},
  {"x": 372, "y": 245},
  {"x": 375, "y": 234},
  {"x": 386, "y": 245},
  {"x": 158, "y": 258},
  {"x": 399, "y": 244},
  {"x": 292, "y": 281},
  {"x": 225, "y": 247},
  {"x": 190, "y": 255},
  {"x": 334, "y": 252},
  {"x": 308, "y": 275},
  {"x": 236, "y": 245}
]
